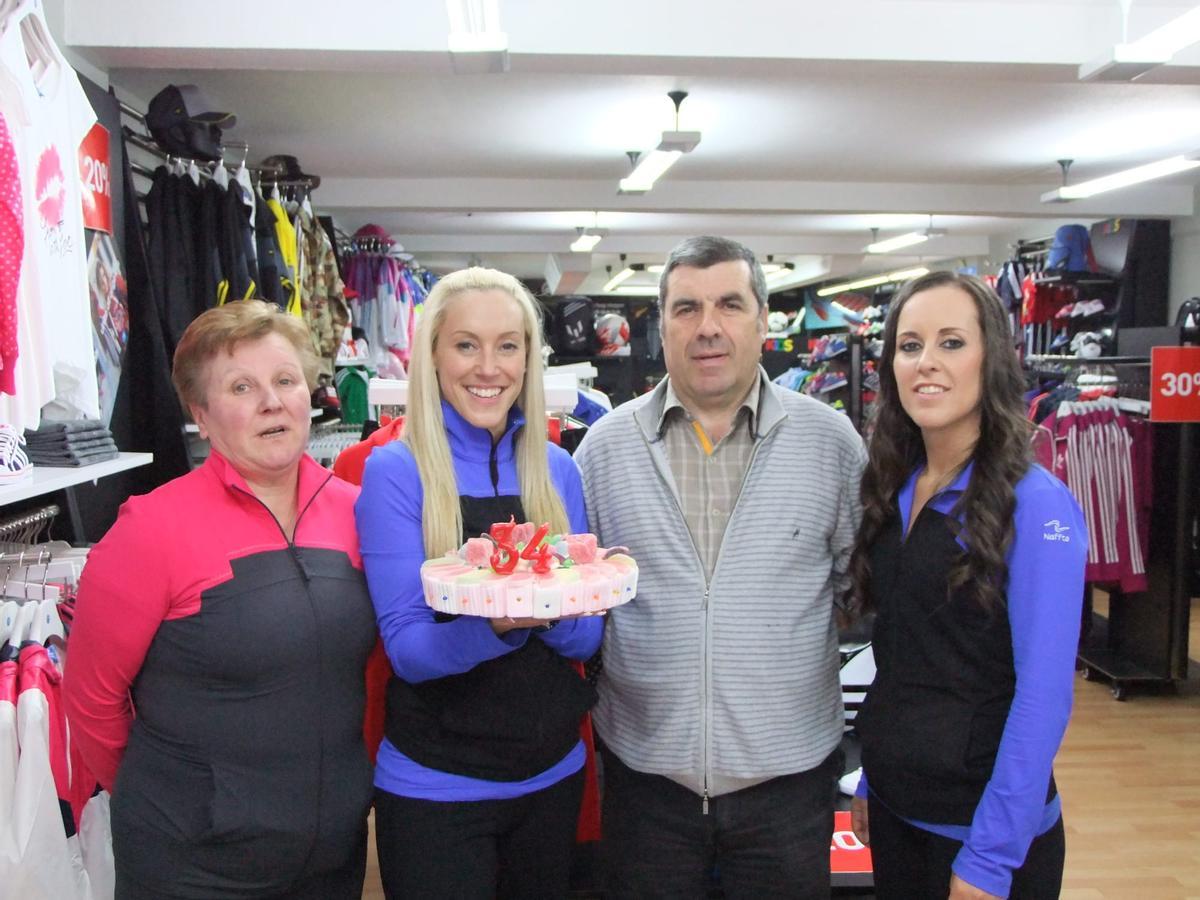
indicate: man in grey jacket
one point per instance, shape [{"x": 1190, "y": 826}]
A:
[{"x": 719, "y": 699}]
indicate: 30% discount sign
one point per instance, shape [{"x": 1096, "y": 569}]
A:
[{"x": 1175, "y": 384}]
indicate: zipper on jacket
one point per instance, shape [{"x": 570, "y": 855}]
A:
[
  {"x": 291, "y": 541},
  {"x": 706, "y": 724},
  {"x": 294, "y": 551},
  {"x": 494, "y": 469}
]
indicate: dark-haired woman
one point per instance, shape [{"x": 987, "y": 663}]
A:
[{"x": 973, "y": 559}]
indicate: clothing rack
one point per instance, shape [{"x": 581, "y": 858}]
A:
[
  {"x": 25, "y": 528},
  {"x": 1144, "y": 639}
]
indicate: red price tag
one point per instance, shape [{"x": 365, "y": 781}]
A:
[
  {"x": 95, "y": 177},
  {"x": 1175, "y": 384}
]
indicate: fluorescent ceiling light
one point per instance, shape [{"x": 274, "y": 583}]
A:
[
  {"x": 656, "y": 268},
  {"x": 625, "y": 274},
  {"x": 900, "y": 241},
  {"x": 897, "y": 242},
  {"x": 778, "y": 271},
  {"x": 473, "y": 16},
  {"x": 873, "y": 281},
  {"x": 476, "y": 43},
  {"x": 1136, "y": 175},
  {"x": 650, "y": 166},
  {"x": 649, "y": 169},
  {"x": 636, "y": 290},
  {"x": 1121, "y": 64},
  {"x": 1169, "y": 39},
  {"x": 586, "y": 242},
  {"x": 1130, "y": 61}
]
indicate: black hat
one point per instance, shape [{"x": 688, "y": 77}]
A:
[
  {"x": 183, "y": 122},
  {"x": 287, "y": 168}
]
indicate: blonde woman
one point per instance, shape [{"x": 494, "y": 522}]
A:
[{"x": 479, "y": 778}]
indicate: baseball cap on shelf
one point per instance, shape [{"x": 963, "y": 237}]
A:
[
  {"x": 287, "y": 167},
  {"x": 182, "y": 121}
]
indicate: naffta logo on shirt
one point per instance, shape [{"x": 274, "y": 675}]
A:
[{"x": 1059, "y": 532}]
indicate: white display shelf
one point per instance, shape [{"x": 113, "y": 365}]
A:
[{"x": 46, "y": 479}]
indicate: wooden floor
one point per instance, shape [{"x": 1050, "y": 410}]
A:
[{"x": 1129, "y": 774}]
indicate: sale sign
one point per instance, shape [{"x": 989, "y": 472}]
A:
[
  {"x": 94, "y": 172},
  {"x": 847, "y": 854},
  {"x": 1175, "y": 384}
]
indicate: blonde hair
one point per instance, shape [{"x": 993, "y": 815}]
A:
[
  {"x": 220, "y": 329},
  {"x": 425, "y": 427}
]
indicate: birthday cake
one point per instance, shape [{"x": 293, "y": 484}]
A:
[{"x": 524, "y": 572}]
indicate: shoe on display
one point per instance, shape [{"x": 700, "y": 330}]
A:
[
  {"x": 833, "y": 381},
  {"x": 836, "y": 346},
  {"x": 1060, "y": 341},
  {"x": 14, "y": 464},
  {"x": 1087, "y": 308}
]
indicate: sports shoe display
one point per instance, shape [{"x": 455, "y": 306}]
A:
[
  {"x": 14, "y": 464},
  {"x": 1087, "y": 308}
]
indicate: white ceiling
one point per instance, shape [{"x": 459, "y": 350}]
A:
[{"x": 819, "y": 120}]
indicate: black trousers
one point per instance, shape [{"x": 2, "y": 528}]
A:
[
  {"x": 345, "y": 883},
  {"x": 770, "y": 840},
  {"x": 517, "y": 848},
  {"x": 913, "y": 864}
]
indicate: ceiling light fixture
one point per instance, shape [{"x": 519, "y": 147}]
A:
[
  {"x": 772, "y": 269},
  {"x": 874, "y": 281},
  {"x": 476, "y": 43},
  {"x": 588, "y": 239},
  {"x": 649, "y": 167},
  {"x": 1126, "y": 178},
  {"x": 900, "y": 241},
  {"x": 1131, "y": 60},
  {"x": 627, "y": 272}
]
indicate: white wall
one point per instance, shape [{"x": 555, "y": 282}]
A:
[{"x": 56, "y": 18}]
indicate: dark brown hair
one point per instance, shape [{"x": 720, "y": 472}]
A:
[{"x": 1001, "y": 456}]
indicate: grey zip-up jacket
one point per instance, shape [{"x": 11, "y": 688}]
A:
[{"x": 734, "y": 679}]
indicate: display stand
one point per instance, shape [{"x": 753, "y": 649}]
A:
[
  {"x": 855, "y": 377},
  {"x": 1143, "y": 640},
  {"x": 47, "y": 480}
]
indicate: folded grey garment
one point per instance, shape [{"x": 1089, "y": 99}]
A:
[
  {"x": 59, "y": 454},
  {"x": 64, "y": 435},
  {"x": 50, "y": 426},
  {"x": 76, "y": 460},
  {"x": 80, "y": 441}
]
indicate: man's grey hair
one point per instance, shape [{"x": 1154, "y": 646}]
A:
[{"x": 706, "y": 250}]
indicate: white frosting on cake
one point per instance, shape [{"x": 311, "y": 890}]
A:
[{"x": 452, "y": 586}]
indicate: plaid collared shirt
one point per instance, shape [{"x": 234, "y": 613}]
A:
[{"x": 708, "y": 478}]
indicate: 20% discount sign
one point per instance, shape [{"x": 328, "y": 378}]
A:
[{"x": 1175, "y": 384}]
